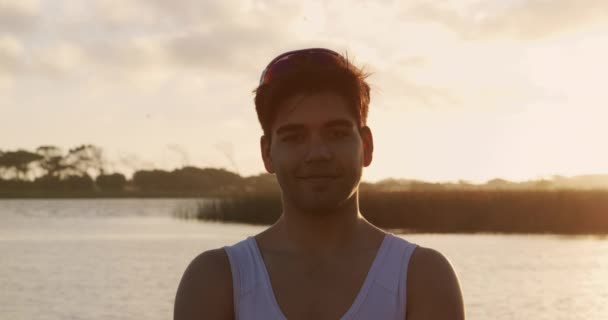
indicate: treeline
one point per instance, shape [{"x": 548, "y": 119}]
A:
[
  {"x": 555, "y": 212},
  {"x": 81, "y": 172},
  {"x": 497, "y": 206}
]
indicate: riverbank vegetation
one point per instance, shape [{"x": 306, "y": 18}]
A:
[
  {"x": 83, "y": 171},
  {"x": 557, "y": 212},
  {"x": 575, "y": 205}
]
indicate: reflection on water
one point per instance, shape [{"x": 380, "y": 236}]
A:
[{"x": 123, "y": 259}]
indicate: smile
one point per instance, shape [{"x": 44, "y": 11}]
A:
[{"x": 317, "y": 178}]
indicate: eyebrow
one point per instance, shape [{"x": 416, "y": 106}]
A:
[
  {"x": 339, "y": 123},
  {"x": 291, "y": 127}
]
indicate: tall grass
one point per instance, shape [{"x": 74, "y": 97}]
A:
[
  {"x": 253, "y": 208},
  {"x": 560, "y": 212}
]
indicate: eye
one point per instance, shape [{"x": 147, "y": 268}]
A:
[
  {"x": 292, "y": 137},
  {"x": 339, "y": 133}
]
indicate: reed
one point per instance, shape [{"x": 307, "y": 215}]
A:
[{"x": 558, "y": 212}]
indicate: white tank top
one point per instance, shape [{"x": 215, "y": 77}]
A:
[{"x": 382, "y": 296}]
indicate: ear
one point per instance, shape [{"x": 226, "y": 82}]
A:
[
  {"x": 265, "y": 149},
  {"x": 368, "y": 145}
]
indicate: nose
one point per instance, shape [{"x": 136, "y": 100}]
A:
[{"x": 318, "y": 151}]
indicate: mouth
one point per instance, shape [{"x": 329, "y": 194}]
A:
[{"x": 317, "y": 178}]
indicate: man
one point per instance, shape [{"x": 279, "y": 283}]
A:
[{"x": 321, "y": 259}]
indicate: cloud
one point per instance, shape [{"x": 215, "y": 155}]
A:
[
  {"x": 137, "y": 37},
  {"x": 6, "y": 84},
  {"x": 18, "y": 16},
  {"x": 62, "y": 58},
  {"x": 395, "y": 85},
  {"x": 523, "y": 20},
  {"x": 130, "y": 53},
  {"x": 227, "y": 35},
  {"x": 226, "y": 47},
  {"x": 11, "y": 52},
  {"x": 207, "y": 13},
  {"x": 194, "y": 12},
  {"x": 150, "y": 44}
]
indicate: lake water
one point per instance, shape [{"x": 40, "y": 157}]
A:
[{"x": 123, "y": 259}]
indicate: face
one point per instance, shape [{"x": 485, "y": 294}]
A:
[{"x": 317, "y": 151}]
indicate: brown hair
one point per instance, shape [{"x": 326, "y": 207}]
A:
[{"x": 343, "y": 78}]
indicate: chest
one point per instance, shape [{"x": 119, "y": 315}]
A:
[{"x": 317, "y": 289}]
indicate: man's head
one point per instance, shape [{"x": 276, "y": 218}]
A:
[
  {"x": 309, "y": 71},
  {"x": 312, "y": 105}
]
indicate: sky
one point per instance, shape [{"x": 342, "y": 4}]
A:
[{"x": 461, "y": 90}]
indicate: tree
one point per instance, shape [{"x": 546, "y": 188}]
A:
[
  {"x": 151, "y": 179},
  {"x": 80, "y": 161},
  {"x": 262, "y": 183},
  {"x": 187, "y": 179},
  {"x": 19, "y": 162},
  {"x": 52, "y": 161},
  {"x": 81, "y": 183},
  {"x": 498, "y": 183},
  {"x": 111, "y": 182},
  {"x": 205, "y": 179},
  {"x": 85, "y": 160}
]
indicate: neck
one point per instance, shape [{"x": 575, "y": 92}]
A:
[{"x": 322, "y": 233}]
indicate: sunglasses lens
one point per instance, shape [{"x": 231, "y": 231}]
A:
[
  {"x": 277, "y": 69},
  {"x": 284, "y": 64}
]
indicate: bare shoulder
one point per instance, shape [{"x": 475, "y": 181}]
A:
[
  {"x": 433, "y": 290},
  {"x": 205, "y": 290}
]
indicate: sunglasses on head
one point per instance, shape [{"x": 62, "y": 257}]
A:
[{"x": 284, "y": 62}]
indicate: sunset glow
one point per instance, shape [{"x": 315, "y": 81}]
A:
[{"x": 460, "y": 90}]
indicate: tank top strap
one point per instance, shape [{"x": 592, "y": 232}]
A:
[
  {"x": 386, "y": 298},
  {"x": 394, "y": 265},
  {"x": 245, "y": 269}
]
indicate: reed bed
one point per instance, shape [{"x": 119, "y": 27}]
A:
[{"x": 557, "y": 212}]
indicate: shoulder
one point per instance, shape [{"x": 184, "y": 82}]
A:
[
  {"x": 433, "y": 291},
  {"x": 205, "y": 288}
]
